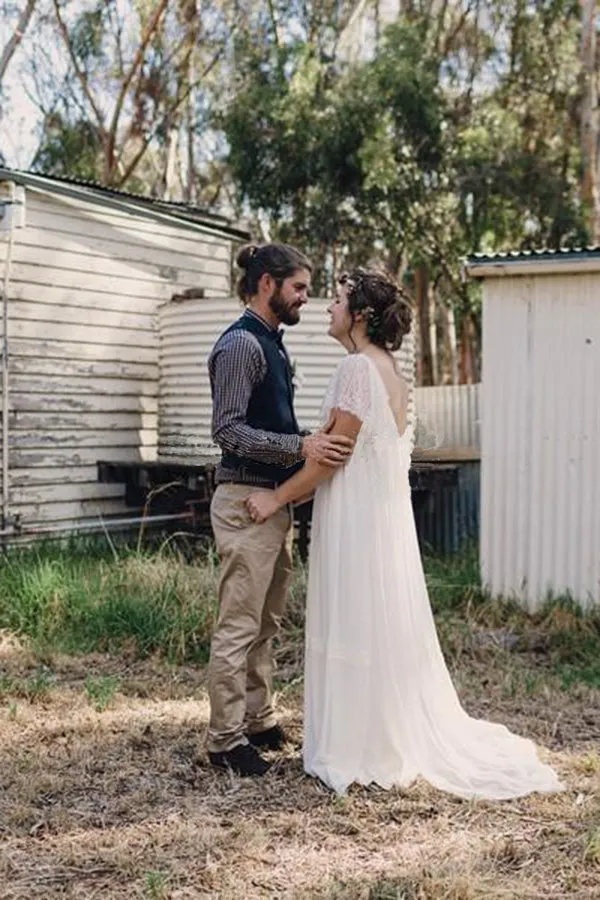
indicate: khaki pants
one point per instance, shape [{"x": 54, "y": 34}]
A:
[{"x": 256, "y": 568}]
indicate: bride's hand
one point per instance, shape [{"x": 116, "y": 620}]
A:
[{"x": 262, "y": 505}]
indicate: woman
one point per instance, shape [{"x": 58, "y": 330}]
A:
[{"x": 379, "y": 702}]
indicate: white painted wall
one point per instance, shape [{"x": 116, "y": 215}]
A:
[{"x": 85, "y": 287}]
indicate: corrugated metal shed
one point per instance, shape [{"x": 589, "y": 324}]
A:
[{"x": 540, "y": 428}]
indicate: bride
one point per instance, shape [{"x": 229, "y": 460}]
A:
[{"x": 380, "y": 706}]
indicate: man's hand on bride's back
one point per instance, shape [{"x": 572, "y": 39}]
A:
[{"x": 327, "y": 449}]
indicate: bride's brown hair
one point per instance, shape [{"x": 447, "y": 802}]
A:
[{"x": 382, "y": 301}]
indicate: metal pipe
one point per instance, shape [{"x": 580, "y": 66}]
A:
[
  {"x": 4, "y": 354},
  {"x": 95, "y": 523}
]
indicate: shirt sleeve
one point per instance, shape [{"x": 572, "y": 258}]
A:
[
  {"x": 237, "y": 365},
  {"x": 353, "y": 387}
]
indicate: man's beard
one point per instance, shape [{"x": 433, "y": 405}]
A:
[{"x": 287, "y": 315}]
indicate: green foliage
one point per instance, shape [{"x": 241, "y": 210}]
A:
[
  {"x": 82, "y": 601},
  {"x": 459, "y": 134},
  {"x": 85, "y": 597},
  {"x": 33, "y": 688},
  {"x": 156, "y": 885},
  {"x": 88, "y": 32},
  {"x": 332, "y": 154},
  {"x": 101, "y": 690},
  {"x": 71, "y": 150}
]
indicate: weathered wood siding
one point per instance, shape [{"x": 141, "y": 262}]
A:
[{"x": 85, "y": 286}]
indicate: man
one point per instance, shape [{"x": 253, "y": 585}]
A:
[{"x": 255, "y": 426}]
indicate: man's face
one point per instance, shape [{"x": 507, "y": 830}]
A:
[{"x": 287, "y": 300}]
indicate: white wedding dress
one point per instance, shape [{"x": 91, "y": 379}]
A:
[{"x": 380, "y": 706}]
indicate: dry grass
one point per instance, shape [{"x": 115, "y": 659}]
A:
[{"x": 112, "y": 798}]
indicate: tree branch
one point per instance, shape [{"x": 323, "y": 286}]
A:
[
  {"x": 80, "y": 74},
  {"x": 117, "y": 27},
  {"x": 170, "y": 113},
  {"x": 274, "y": 24},
  {"x": 147, "y": 35},
  {"x": 451, "y": 37},
  {"x": 16, "y": 37}
]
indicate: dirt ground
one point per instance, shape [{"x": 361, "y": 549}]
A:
[{"x": 119, "y": 802}]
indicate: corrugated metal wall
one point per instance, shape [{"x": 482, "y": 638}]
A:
[
  {"x": 188, "y": 330},
  {"x": 448, "y": 416},
  {"x": 85, "y": 287},
  {"x": 540, "y": 529}
]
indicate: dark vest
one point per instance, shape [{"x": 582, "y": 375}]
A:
[{"x": 271, "y": 406}]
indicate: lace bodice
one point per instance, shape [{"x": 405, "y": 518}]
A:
[{"x": 357, "y": 387}]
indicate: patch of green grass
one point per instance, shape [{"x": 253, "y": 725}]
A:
[
  {"x": 156, "y": 885},
  {"x": 591, "y": 853},
  {"x": 454, "y": 581},
  {"x": 6, "y": 686},
  {"x": 35, "y": 687},
  {"x": 101, "y": 690},
  {"x": 405, "y": 889},
  {"x": 570, "y": 638},
  {"x": 73, "y": 600},
  {"x": 564, "y": 637},
  {"x": 85, "y": 596}
]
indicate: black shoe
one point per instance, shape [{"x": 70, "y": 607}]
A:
[
  {"x": 272, "y": 739},
  {"x": 243, "y": 760}
]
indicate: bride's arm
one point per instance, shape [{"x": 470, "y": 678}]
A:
[
  {"x": 263, "y": 504},
  {"x": 305, "y": 499}
]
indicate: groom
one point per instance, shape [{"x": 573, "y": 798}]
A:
[{"x": 255, "y": 426}]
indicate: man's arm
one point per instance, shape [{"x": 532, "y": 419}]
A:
[
  {"x": 237, "y": 366},
  {"x": 263, "y": 504}
]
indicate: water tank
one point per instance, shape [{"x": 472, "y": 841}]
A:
[{"x": 188, "y": 329}]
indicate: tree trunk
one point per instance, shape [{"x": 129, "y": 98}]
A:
[
  {"x": 434, "y": 343},
  {"x": 450, "y": 344},
  {"x": 425, "y": 373},
  {"x": 190, "y": 127},
  {"x": 589, "y": 119},
  {"x": 468, "y": 346},
  {"x": 169, "y": 186}
]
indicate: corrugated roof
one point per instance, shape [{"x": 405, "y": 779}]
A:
[
  {"x": 529, "y": 255},
  {"x": 545, "y": 261},
  {"x": 176, "y": 211}
]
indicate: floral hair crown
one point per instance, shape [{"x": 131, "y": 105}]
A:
[{"x": 353, "y": 282}]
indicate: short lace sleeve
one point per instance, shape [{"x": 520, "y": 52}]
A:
[{"x": 352, "y": 388}]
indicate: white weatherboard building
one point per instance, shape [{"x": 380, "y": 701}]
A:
[
  {"x": 83, "y": 271},
  {"x": 540, "y": 425},
  {"x": 104, "y": 357},
  {"x": 104, "y": 342}
]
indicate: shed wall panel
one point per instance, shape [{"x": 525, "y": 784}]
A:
[{"x": 541, "y": 437}]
